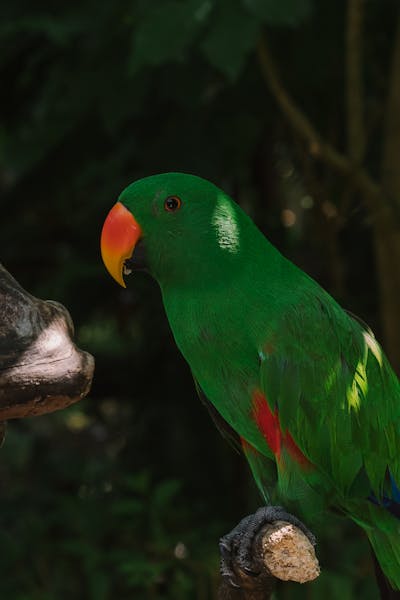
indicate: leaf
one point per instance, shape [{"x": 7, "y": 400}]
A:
[
  {"x": 142, "y": 571},
  {"x": 129, "y": 507},
  {"x": 58, "y": 31},
  {"x": 164, "y": 33},
  {"x": 138, "y": 483},
  {"x": 232, "y": 35},
  {"x": 165, "y": 492},
  {"x": 280, "y": 12}
]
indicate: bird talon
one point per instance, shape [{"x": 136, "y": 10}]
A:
[
  {"x": 224, "y": 546},
  {"x": 233, "y": 583},
  {"x": 250, "y": 572}
]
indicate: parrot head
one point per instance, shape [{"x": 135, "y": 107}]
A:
[{"x": 185, "y": 224}]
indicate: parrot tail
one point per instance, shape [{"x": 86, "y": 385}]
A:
[
  {"x": 384, "y": 537},
  {"x": 385, "y": 589},
  {"x": 381, "y": 522},
  {"x": 382, "y": 526},
  {"x": 385, "y": 542}
]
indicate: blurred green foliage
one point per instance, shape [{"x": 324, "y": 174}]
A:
[{"x": 126, "y": 495}]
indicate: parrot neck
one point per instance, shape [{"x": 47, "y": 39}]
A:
[
  {"x": 211, "y": 297},
  {"x": 222, "y": 257}
]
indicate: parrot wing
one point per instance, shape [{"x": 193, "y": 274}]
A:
[
  {"x": 227, "y": 432},
  {"x": 333, "y": 397}
]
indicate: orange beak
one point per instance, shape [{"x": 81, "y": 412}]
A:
[{"x": 119, "y": 236}]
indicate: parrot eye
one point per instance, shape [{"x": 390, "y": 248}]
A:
[{"x": 172, "y": 204}]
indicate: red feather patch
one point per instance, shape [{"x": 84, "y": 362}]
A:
[
  {"x": 270, "y": 427},
  {"x": 267, "y": 422}
]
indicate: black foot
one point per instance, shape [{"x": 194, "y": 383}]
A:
[{"x": 236, "y": 547}]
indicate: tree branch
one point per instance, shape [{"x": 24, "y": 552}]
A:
[
  {"x": 298, "y": 120},
  {"x": 318, "y": 148},
  {"x": 280, "y": 551},
  {"x": 354, "y": 89}
]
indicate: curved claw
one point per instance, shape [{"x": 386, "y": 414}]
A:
[
  {"x": 233, "y": 583},
  {"x": 226, "y": 559},
  {"x": 251, "y": 572}
]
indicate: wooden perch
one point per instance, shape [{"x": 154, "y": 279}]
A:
[
  {"x": 41, "y": 369},
  {"x": 280, "y": 551}
]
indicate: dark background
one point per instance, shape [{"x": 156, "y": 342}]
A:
[{"x": 126, "y": 494}]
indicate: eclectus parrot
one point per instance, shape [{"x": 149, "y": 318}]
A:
[{"x": 304, "y": 387}]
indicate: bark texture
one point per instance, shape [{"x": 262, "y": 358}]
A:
[{"x": 41, "y": 369}]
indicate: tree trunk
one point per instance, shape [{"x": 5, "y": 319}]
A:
[
  {"x": 387, "y": 219},
  {"x": 387, "y": 252}
]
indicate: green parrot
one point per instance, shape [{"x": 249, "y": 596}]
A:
[{"x": 302, "y": 386}]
